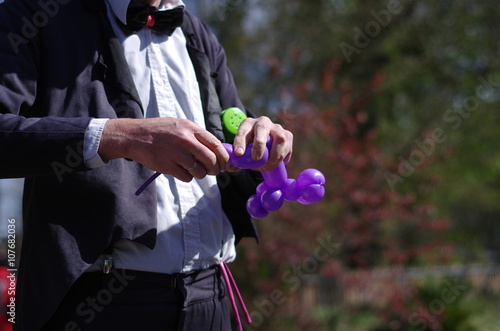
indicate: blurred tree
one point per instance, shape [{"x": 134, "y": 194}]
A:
[
  {"x": 395, "y": 101},
  {"x": 440, "y": 72}
]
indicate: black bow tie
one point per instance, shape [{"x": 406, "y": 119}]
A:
[{"x": 140, "y": 15}]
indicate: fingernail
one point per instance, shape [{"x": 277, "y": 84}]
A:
[
  {"x": 255, "y": 155},
  {"x": 239, "y": 150}
]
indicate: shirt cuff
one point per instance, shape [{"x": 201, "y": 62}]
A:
[{"x": 91, "y": 144}]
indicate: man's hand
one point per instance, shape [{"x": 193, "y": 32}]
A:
[
  {"x": 166, "y": 145},
  {"x": 256, "y": 131}
]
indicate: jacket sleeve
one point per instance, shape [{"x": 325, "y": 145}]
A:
[
  {"x": 30, "y": 143},
  {"x": 40, "y": 146}
]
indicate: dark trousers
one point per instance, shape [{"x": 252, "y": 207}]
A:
[{"x": 135, "y": 300}]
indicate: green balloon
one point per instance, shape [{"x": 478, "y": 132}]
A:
[{"x": 231, "y": 120}]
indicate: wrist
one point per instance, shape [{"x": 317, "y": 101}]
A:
[
  {"x": 92, "y": 141},
  {"x": 116, "y": 139}
]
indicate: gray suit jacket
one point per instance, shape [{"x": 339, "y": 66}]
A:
[{"x": 60, "y": 66}]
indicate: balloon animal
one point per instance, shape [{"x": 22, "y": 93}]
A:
[{"x": 276, "y": 187}]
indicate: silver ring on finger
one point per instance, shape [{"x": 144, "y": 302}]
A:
[{"x": 193, "y": 167}]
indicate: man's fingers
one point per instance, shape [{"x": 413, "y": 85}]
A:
[
  {"x": 212, "y": 155},
  {"x": 197, "y": 169},
  {"x": 255, "y": 131},
  {"x": 243, "y": 137},
  {"x": 261, "y": 135},
  {"x": 281, "y": 151},
  {"x": 182, "y": 174},
  {"x": 282, "y": 145}
]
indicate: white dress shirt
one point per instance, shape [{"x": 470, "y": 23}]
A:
[{"x": 193, "y": 231}]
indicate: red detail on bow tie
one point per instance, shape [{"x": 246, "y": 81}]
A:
[{"x": 151, "y": 21}]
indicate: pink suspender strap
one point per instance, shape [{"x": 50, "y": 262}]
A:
[{"x": 231, "y": 284}]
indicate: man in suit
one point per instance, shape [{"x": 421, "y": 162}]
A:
[{"x": 96, "y": 95}]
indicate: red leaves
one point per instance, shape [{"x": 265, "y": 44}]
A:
[
  {"x": 360, "y": 207},
  {"x": 375, "y": 226},
  {"x": 327, "y": 77}
]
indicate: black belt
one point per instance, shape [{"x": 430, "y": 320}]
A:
[{"x": 161, "y": 279}]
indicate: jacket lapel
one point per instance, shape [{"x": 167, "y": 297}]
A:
[
  {"x": 112, "y": 60},
  {"x": 209, "y": 97}
]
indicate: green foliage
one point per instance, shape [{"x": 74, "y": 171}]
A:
[{"x": 409, "y": 89}]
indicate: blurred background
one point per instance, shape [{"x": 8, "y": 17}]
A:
[{"x": 397, "y": 103}]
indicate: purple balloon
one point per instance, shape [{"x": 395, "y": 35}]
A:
[
  {"x": 229, "y": 149},
  {"x": 276, "y": 187},
  {"x": 269, "y": 143},
  {"x": 291, "y": 191},
  {"x": 261, "y": 188},
  {"x": 277, "y": 177},
  {"x": 304, "y": 202},
  {"x": 311, "y": 176},
  {"x": 272, "y": 199},
  {"x": 254, "y": 207},
  {"x": 245, "y": 161},
  {"x": 312, "y": 193}
]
